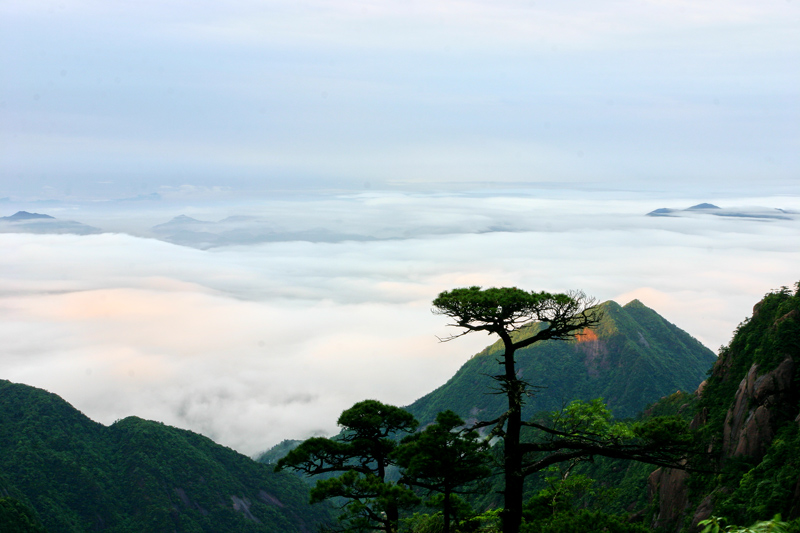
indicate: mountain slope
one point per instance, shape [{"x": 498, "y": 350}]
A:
[
  {"x": 749, "y": 414},
  {"x": 136, "y": 475},
  {"x": 631, "y": 359}
]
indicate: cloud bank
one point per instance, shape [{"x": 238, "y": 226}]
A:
[{"x": 253, "y": 344}]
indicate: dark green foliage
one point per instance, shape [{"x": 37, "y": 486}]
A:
[
  {"x": 563, "y": 492},
  {"x": 443, "y": 455},
  {"x": 151, "y": 458},
  {"x": 584, "y": 521},
  {"x": 54, "y": 456},
  {"x": 623, "y": 484},
  {"x": 15, "y": 517},
  {"x": 137, "y": 475},
  {"x": 767, "y": 338},
  {"x": 755, "y": 488},
  {"x": 509, "y": 308},
  {"x": 679, "y": 403},
  {"x": 749, "y": 489},
  {"x": 423, "y": 523},
  {"x": 360, "y": 457},
  {"x": 716, "y": 524},
  {"x": 663, "y": 430},
  {"x": 556, "y": 507},
  {"x": 603, "y": 484},
  {"x": 445, "y": 460},
  {"x": 371, "y": 504},
  {"x": 636, "y": 358},
  {"x": 278, "y": 452},
  {"x": 767, "y": 488},
  {"x": 586, "y": 430}
]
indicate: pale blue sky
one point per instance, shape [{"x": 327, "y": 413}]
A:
[{"x": 322, "y": 94}]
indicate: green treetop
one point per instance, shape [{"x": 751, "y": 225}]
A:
[
  {"x": 444, "y": 458},
  {"x": 361, "y": 455}
]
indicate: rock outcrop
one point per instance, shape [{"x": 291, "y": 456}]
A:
[
  {"x": 672, "y": 493},
  {"x": 750, "y": 423},
  {"x": 765, "y": 400}
]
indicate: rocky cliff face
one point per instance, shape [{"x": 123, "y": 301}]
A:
[
  {"x": 749, "y": 399},
  {"x": 750, "y": 423},
  {"x": 668, "y": 487}
]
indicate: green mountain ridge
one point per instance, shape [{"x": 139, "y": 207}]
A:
[
  {"x": 136, "y": 475},
  {"x": 633, "y": 358}
]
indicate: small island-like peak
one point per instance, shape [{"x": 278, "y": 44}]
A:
[
  {"x": 703, "y": 206},
  {"x": 24, "y": 215}
]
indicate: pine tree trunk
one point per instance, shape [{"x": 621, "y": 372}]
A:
[
  {"x": 392, "y": 517},
  {"x": 512, "y": 465},
  {"x": 446, "y": 510},
  {"x": 512, "y": 455}
]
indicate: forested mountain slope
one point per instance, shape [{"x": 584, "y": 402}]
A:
[
  {"x": 633, "y": 358},
  {"x": 749, "y": 418},
  {"x": 136, "y": 475}
]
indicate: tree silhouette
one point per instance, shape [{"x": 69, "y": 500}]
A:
[
  {"x": 503, "y": 311},
  {"x": 443, "y": 458},
  {"x": 361, "y": 454}
]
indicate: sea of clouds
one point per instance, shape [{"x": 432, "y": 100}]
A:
[{"x": 254, "y": 343}]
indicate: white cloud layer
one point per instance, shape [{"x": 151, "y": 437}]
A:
[{"x": 254, "y": 344}]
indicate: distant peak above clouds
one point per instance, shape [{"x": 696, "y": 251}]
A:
[
  {"x": 756, "y": 212},
  {"x": 180, "y": 220},
  {"x": 701, "y": 207},
  {"x": 24, "y": 215},
  {"x": 25, "y": 222}
]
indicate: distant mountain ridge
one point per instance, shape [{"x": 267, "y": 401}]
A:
[
  {"x": 765, "y": 213},
  {"x": 137, "y": 475},
  {"x": 25, "y": 222},
  {"x": 633, "y": 358},
  {"x": 24, "y": 215}
]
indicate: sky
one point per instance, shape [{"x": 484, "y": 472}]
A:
[{"x": 389, "y": 150}]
